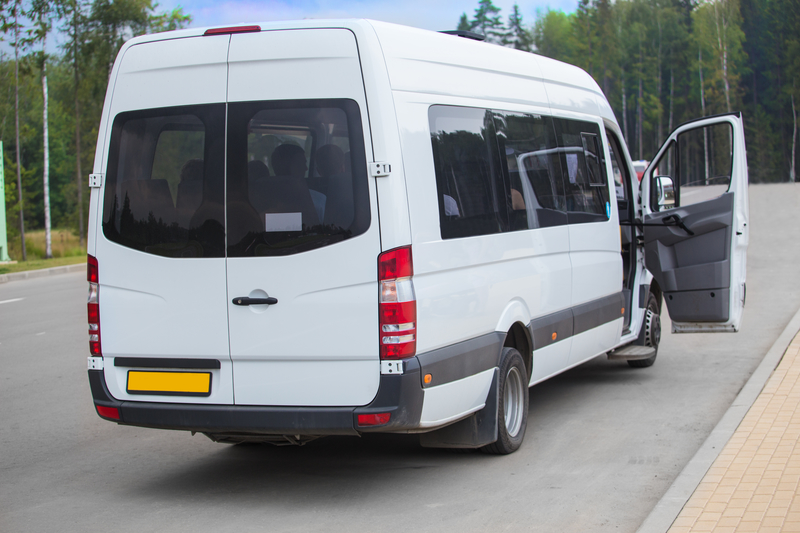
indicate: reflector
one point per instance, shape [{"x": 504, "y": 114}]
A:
[
  {"x": 377, "y": 419},
  {"x": 108, "y": 412}
]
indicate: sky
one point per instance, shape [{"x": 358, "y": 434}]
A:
[{"x": 428, "y": 14}]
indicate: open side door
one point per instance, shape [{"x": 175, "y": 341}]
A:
[{"x": 695, "y": 208}]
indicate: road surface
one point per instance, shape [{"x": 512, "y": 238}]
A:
[{"x": 604, "y": 441}]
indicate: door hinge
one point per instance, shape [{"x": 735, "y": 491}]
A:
[
  {"x": 95, "y": 180},
  {"x": 95, "y": 363},
  {"x": 379, "y": 170}
]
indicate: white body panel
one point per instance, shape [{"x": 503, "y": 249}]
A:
[
  {"x": 550, "y": 360},
  {"x": 455, "y": 400},
  {"x": 152, "y": 306}
]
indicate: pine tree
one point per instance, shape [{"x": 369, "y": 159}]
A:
[
  {"x": 518, "y": 37},
  {"x": 487, "y": 22}
]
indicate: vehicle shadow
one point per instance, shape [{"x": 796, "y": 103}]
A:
[{"x": 335, "y": 468}]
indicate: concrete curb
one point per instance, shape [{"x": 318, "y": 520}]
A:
[
  {"x": 667, "y": 509},
  {"x": 42, "y": 273}
]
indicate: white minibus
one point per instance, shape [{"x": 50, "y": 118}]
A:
[{"x": 301, "y": 229}]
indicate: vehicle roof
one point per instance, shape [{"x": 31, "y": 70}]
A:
[{"x": 459, "y": 66}]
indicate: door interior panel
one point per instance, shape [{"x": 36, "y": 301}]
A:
[{"x": 698, "y": 264}]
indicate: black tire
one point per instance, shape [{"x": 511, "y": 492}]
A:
[
  {"x": 512, "y": 407},
  {"x": 651, "y": 332}
]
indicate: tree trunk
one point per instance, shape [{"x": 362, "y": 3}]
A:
[
  {"x": 46, "y": 174},
  {"x": 640, "y": 118},
  {"x": 658, "y": 80},
  {"x": 16, "y": 112},
  {"x": 671, "y": 96},
  {"x": 624, "y": 109},
  {"x": 703, "y": 107},
  {"x": 78, "y": 172},
  {"x": 722, "y": 41},
  {"x": 792, "y": 174}
]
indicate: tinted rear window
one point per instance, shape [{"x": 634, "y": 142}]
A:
[
  {"x": 165, "y": 182},
  {"x": 296, "y": 179},
  {"x": 297, "y": 176}
]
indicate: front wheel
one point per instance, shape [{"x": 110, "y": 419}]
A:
[
  {"x": 650, "y": 334},
  {"x": 512, "y": 409}
]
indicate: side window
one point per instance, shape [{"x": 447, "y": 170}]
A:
[
  {"x": 529, "y": 145},
  {"x": 618, "y": 168},
  {"x": 705, "y": 160},
  {"x": 583, "y": 168},
  {"x": 164, "y": 182},
  {"x": 473, "y": 198},
  {"x": 297, "y": 176}
]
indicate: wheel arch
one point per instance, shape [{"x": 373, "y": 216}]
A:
[
  {"x": 658, "y": 293},
  {"x": 519, "y": 337}
]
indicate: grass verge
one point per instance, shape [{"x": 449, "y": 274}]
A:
[{"x": 38, "y": 264}]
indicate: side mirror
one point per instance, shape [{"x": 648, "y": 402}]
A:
[{"x": 663, "y": 192}]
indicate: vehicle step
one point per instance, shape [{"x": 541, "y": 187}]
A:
[{"x": 632, "y": 352}]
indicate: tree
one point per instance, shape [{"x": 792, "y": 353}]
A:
[
  {"x": 463, "y": 23},
  {"x": 72, "y": 12},
  {"x": 16, "y": 8},
  {"x": 40, "y": 14},
  {"x": 487, "y": 21},
  {"x": 552, "y": 35},
  {"x": 517, "y": 36}
]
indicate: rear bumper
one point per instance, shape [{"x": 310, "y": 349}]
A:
[{"x": 401, "y": 395}]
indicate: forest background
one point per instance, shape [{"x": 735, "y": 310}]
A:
[{"x": 659, "y": 63}]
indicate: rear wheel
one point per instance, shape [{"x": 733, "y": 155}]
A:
[
  {"x": 651, "y": 332},
  {"x": 512, "y": 409}
]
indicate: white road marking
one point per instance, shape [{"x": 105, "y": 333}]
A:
[
  {"x": 40, "y": 334},
  {"x": 10, "y": 301}
]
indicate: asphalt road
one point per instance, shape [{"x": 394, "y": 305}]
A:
[{"x": 604, "y": 441}]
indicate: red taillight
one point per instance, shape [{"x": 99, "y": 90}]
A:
[
  {"x": 108, "y": 412},
  {"x": 395, "y": 263},
  {"x": 93, "y": 307},
  {"x": 232, "y": 29},
  {"x": 377, "y": 419},
  {"x": 91, "y": 269},
  {"x": 398, "y": 305}
]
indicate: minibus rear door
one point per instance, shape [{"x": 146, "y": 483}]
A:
[{"x": 302, "y": 238}]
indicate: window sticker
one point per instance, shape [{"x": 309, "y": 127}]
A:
[
  {"x": 283, "y": 222},
  {"x": 572, "y": 167}
]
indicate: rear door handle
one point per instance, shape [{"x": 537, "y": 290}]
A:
[{"x": 244, "y": 300}]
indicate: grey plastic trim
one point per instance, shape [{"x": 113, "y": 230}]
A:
[
  {"x": 598, "y": 312},
  {"x": 461, "y": 360},
  {"x": 561, "y": 323},
  {"x": 473, "y": 356},
  {"x": 644, "y": 290}
]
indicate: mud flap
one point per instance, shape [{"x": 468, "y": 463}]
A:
[{"x": 479, "y": 429}]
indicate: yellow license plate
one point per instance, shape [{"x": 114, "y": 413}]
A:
[{"x": 169, "y": 383}]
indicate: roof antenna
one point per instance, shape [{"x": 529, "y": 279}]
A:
[{"x": 466, "y": 34}]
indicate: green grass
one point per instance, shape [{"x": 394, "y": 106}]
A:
[
  {"x": 63, "y": 242},
  {"x": 38, "y": 264},
  {"x": 65, "y": 245}
]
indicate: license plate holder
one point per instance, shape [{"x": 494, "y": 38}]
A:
[{"x": 169, "y": 383}]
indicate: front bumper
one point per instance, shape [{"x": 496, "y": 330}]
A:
[{"x": 399, "y": 394}]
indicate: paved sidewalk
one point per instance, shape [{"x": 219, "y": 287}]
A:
[{"x": 753, "y": 483}]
